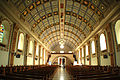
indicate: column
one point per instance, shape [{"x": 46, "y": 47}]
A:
[
  {"x": 110, "y": 44},
  {"x": 77, "y": 56},
  {"x": 26, "y": 49},
  {"x": 97, "y": 46},
  {"x": 34, "y": 54},
  {"x": 84, "y": 55},
  {"x": 81, "y": 55},
  {"x": 47, "y": 56},
  {"x": 39, "y": 55},
  {"x": 13, "y": 45},
  {"x": 43, "y": 56},
  {"x": 89, "y": 54}
]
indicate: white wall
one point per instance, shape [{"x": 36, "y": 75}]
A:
[
  {"x": 118, "y": 58},
  {"x": 36, "y": 62},
  {"x": 19, "y": 61},
  {"x": 87, "y": 62},
  {"x": 83, "y": 61},
  {"x": 105, "y": 61},
  {"x": 3, "y": 58},
  {"x": 29, "y": 60},
  {"x": 94, "y": 61}
]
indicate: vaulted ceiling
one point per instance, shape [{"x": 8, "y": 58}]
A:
[{"x": 45, "y": 18}]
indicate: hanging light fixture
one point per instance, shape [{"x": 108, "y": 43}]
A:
[
  {"x": 61, "y": 46},
  {"x": 62, "y": 43}
]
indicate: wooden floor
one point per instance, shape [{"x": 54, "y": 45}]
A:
[{"x": 61, "y": 74}]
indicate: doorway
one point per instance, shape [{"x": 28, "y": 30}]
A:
[{"x": 61, "y": 61}]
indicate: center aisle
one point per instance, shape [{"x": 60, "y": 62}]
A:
[{"x": 61, "y": 74}]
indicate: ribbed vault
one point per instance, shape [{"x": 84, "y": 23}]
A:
[{"x": 79, "y": 19}]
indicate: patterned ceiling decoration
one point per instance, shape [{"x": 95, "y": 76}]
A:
[{"x": 46, "y": 16}]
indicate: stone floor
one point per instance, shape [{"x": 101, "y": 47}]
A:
[{"x": 61, "y": 74}]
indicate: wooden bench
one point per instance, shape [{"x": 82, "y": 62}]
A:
[
  {"x": 27, "y": 72},
  {"x": 93, "y": 72}
]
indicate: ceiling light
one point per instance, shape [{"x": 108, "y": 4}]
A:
[
  {"x": 61, "y": 46},
  {"x": 61, "y": 51},
  {"x": 102, "y": 7}
]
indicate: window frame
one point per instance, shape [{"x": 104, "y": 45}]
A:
[
  {"x": 19, "y": 51},
  {"x": 105, "y": 50}
]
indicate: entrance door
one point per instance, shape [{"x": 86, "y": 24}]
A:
[{"x": 61, "y": 61}]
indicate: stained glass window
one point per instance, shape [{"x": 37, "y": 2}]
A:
[{"x": 1, "y": 32}]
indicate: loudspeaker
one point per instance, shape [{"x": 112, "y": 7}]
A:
[
  {"x": 74, "y": 56},
  {"x": 105, "y": 56},
  {"x": 17, "y": 55}
]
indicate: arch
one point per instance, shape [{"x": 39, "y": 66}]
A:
[
  {"x": 5, "y": 30},
  {"x": 66, "y": 23},
  {"x": 21, "y": 41},
  {"x": 117, "y": 31},
  {"x": 102, "y": 42},
  {"x": 55, "y": 41},
  {"x": 58, "y": 31},
  {"x": 70, "y": 61},
  {"x": 93, "y": 46},
  {"x": 64, "y": 35}
]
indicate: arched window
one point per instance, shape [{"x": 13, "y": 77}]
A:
[
  {"x": 31, "y": 47},
  {"x": 21, "y": 41},
  {"x": 82, "y": 52},
  {"x": 5, "y": 32},
  {"x": 102, "y": 42},
  {"x": 1, "y": 33},
  {"x": 37, "y": 50},
  {"x": 86, "y": 50},
  {"x": 117, "y": 31},
  {"x": 93, "y": 47}
]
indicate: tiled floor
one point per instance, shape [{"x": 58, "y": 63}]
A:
[{"x": 61, "y": 74}]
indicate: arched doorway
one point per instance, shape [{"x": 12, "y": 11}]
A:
[{"x": 61, "y": 60}]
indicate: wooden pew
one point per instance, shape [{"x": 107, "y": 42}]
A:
[
  {"x": 27, "y": 72},
  {"x": 94, "y": 72}
]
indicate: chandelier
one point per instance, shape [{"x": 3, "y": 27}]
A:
[{"x": 62, "y": 42}]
